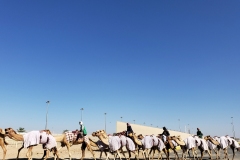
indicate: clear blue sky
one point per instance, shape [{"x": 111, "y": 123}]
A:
[{"x": 148, "y": 61}]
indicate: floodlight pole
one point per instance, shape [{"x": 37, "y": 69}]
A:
[{"x": 47, "y": 114}]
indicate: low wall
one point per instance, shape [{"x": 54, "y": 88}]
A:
[{"x": 146, "y": 130}]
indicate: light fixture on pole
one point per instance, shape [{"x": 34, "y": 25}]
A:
[
  {"x": 121, "y": 119},
  {"x": 105, "y": 122},
  {"x": 81, "y": 113},
  {"x": 47, "y": 114}
]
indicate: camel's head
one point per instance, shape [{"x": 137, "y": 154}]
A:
[
  {"x": 9, "y": 131},
  {"x": 140, "y": 136},
  {"x": 207, "y": 137},
  {"x": 2, "y": 131},
  {"x": 97, "y": 133}
]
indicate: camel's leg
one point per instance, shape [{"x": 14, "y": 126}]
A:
[
  {"x": 176, "y": 154},
  {"x": 233, "y": 151},
  {"x": 119, "y": 154},
  {"x": 165, "y": 152},
  {"x": 4, "y": 150},
  {"x": 47, "y": 154},
  {"x": 90, "y": 149},
  {"x": 159, "y": 154},
  {"x": 56, "y": 154},
  {"x": 136, "y": 155},
  {"x": 183, "y": 153},
  {"x": 151, "y": 150},
  {"x": 29, "y": 153},
  {"x": 210, "y": 155},
  {"x": 123, "y": 152},
  {"x": 19, "y": 151},
  {"x": 100, "y": 155},
  {"x": 226, "y": 153},
  {"x": 68, "y": 148},
  {"x": 129, "y": 154},
  {"x": 168, "y": 155},
  {"x": 107, "y": 156},
  {"x": 152, "y": 154},
  {"x": 83, "y": 147}
]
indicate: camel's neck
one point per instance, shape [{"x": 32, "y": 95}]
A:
[
  {"x": 16, "y": 137},
  {"x": 104, "y": 140},
  {"x": 92, "y": 143},
  {"x": 59, "y": 138}
]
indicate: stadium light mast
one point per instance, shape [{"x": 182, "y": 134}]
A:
[
  {"x": 47, "y": 114},
  {"x": 81, "y": 113},
  {"x": 105, "y": 122},
  {"x": 233, "y": 128}
]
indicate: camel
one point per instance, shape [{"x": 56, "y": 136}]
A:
[
  {"x": 3, "y": 143},
  {"x": 190, "y": 144},
  {"x": 65, "y": 142},
  {"x": 110, "y": 142},
  {"x": 172, "y": 142},
  {"x": 147, "y": 144},
  {"x": 159, "y": 146},
  {"x": 101, "y": 146},
  {"x": 223, "y": 143},
  {"x": 138, "y": 144},
  {"x": 128, "y": 144},
  {"x": 18, "y": 137}
]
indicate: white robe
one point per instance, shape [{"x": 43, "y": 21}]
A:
[{"x": 51, "y": 142}]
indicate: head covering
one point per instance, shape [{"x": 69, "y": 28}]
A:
[
  {"x": 81, "y": 122},
  {"x": 198, "y": 129},
  {"x": 128, "y": 124},
  {"x": 164, "y": 128}
]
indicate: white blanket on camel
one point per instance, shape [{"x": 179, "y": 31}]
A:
[
  {"x": 190, "y": 142},
  {"x": 232, "y": 142},
  {"x": 114, "y": 143},
  {"x": 127, "y": 142},
  {"x": 31, "y": 138},
  {"x": 223, "y": 142},
  {"x": 201, "y": 143},
  {"x": 147, "y": 142}
]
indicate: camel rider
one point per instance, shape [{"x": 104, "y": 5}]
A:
[
  {"x": 165, "y": 137},
  {"x": 129, "y": 130},
  {"x": 82, "y": 132},
  {"x": 199, "y": 133},
  {"x": 165, "y": 132}
]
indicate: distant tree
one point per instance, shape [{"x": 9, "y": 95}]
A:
[
  {"x": 21, "y": 130},
  {"x": 66, "y": 130}
]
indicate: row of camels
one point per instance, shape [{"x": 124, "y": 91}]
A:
[{"x": 133, "y": 144}]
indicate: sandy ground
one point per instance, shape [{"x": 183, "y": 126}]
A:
[{"x": 76, "y": 153}]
